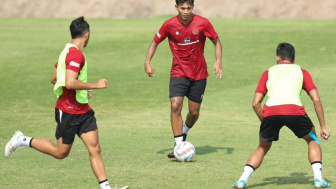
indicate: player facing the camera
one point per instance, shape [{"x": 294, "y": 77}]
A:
[{"x": 187, "y": 33}]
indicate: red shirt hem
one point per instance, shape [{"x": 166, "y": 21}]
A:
[{"x": 288, "y": 109}]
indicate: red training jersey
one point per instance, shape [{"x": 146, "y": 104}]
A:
[
  {"x": 67, "y": 102},
  {"x": 287, "y": 109},
  {"x": 186, "y": 43}
]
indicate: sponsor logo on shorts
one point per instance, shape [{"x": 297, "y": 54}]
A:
[
  {"x": 158, "y": 35},
  {"x": 202, "y": 96},
  {"x": 74, "y": 64}
]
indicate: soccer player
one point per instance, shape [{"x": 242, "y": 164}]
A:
[
  {"x": 187, "y": 34},
  {"x": 72, "y": 113},
  {"x": 283, "y": 84}
]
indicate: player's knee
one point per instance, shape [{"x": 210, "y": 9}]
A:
[
  {"x": 312, "y": 137},
  {"x": 95, "y": 149},
  {"x": 194, "y": 113},
  {"x": 61, "y": 155},
  {"x": 266, "y": 146},
  {"x": 176, "y": 107}
]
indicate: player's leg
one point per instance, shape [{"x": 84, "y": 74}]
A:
[
  {"x": 315, "y": 159},
  {"x": 254, "y": 162},
  {"x": 91, "y": 142},
  {"x": 195, "y": 96},
  {"x": 88, "y": 132},
  {"x": 64, "y": 134},
  {"x": 192, "y": 117},
  {"x": 46, "y": 146},
  {"x": 176, "y": 121},
  {"x": 193, "y": 114},
  {"x": 67, "y": 126},
  {"x": 258, "y": 155},
  {"x": 176, "y": 116},
  {"x": 314, "y": 149},
  {"x": 178, "y": 88},
  {"x": 303, "y": 127},
  {"x": 269, "y": 132}
]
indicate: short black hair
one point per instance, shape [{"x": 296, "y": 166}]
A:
[
  {"x": 180, "y": 2},
  {"x": 286, "y": 51},
  {"x": 79, "y": 27}
]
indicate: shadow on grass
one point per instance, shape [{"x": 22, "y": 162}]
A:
[
  {"x": 202, "y": 150},
  {"x": 294, "y": 178}
]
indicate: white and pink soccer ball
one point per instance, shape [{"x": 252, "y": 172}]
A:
[{"x": 184, "y": 151}]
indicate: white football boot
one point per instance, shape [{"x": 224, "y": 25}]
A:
[{"x": 13, "y": 144}]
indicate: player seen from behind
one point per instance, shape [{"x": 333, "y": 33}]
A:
[{"x": 283, "y": 84}]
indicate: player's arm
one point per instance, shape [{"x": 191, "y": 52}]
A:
[
  {"x": 150, "y": 53},
  {"x": 218, "y": 54},
  {"x": 315, "y": 97},
  {"x": 73, "y": 83},
  {"x": 54, "y": 76},
  {"x": 256, "y": 104}
]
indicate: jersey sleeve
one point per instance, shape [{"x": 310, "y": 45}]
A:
[
  {"x": 308, "y": 83},
  {"x": 161, "y": 34},
  {"x": 210, "y": 31},
  {"x": 261, "y": 88},
  {"x": 75, "y": 60}
]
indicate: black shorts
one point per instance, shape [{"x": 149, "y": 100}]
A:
[
  {"x": 194, "y": 90},
  {"x": 270, "y": 126},
  {"x": 68, "y": 125}
]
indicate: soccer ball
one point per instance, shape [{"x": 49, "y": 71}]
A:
[{"x": 184, "y": 151}]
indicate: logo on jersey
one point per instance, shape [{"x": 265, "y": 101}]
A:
[
  {"x": 74, "y": 64},
  {"x": 195, "y": 32},
  {"x": 187, "y": 40},
  {"x": 158, "y": 35},
  {"x": 177, "y": 33}
]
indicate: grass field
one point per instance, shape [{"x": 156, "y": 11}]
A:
[{"x": 133, "y": 113}]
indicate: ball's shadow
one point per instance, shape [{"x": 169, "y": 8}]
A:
[{"x": 202, "y": 150}]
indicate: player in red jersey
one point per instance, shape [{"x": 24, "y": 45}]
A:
[
  {"x": 186, "y": 34},
  {"x": 73, "y": 113},
  {"x": 283, "y": 84}
]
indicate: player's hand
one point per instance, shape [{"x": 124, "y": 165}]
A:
[
  {"x": 89, "y": 93},
  {"x": 218, "y": 69},
  {"x": 101, "y": 84},
  {"x": 324, "y": 134},
  {"x": 149, "y": 69}
]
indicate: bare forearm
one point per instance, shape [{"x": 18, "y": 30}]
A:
[
  {"x": 79, "y": 85},
  {"x": 256, "y": 104},
  {"x": 320, "y": 113},
  {"x": 218, "y": 51},
  {"x": 150, "y": 53},
  {"x": 258, "y": 110},
  {"x": 314, "y": 95}
]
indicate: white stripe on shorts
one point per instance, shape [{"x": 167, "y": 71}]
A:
[{"x": 60, "y": 111}]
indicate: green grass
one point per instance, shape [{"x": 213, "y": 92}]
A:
[{"x": 133, "y": 113}]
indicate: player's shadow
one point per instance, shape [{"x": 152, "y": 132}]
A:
[
  {"x": 202, "y": 150},
  {"x": 294, "y": 178}
]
